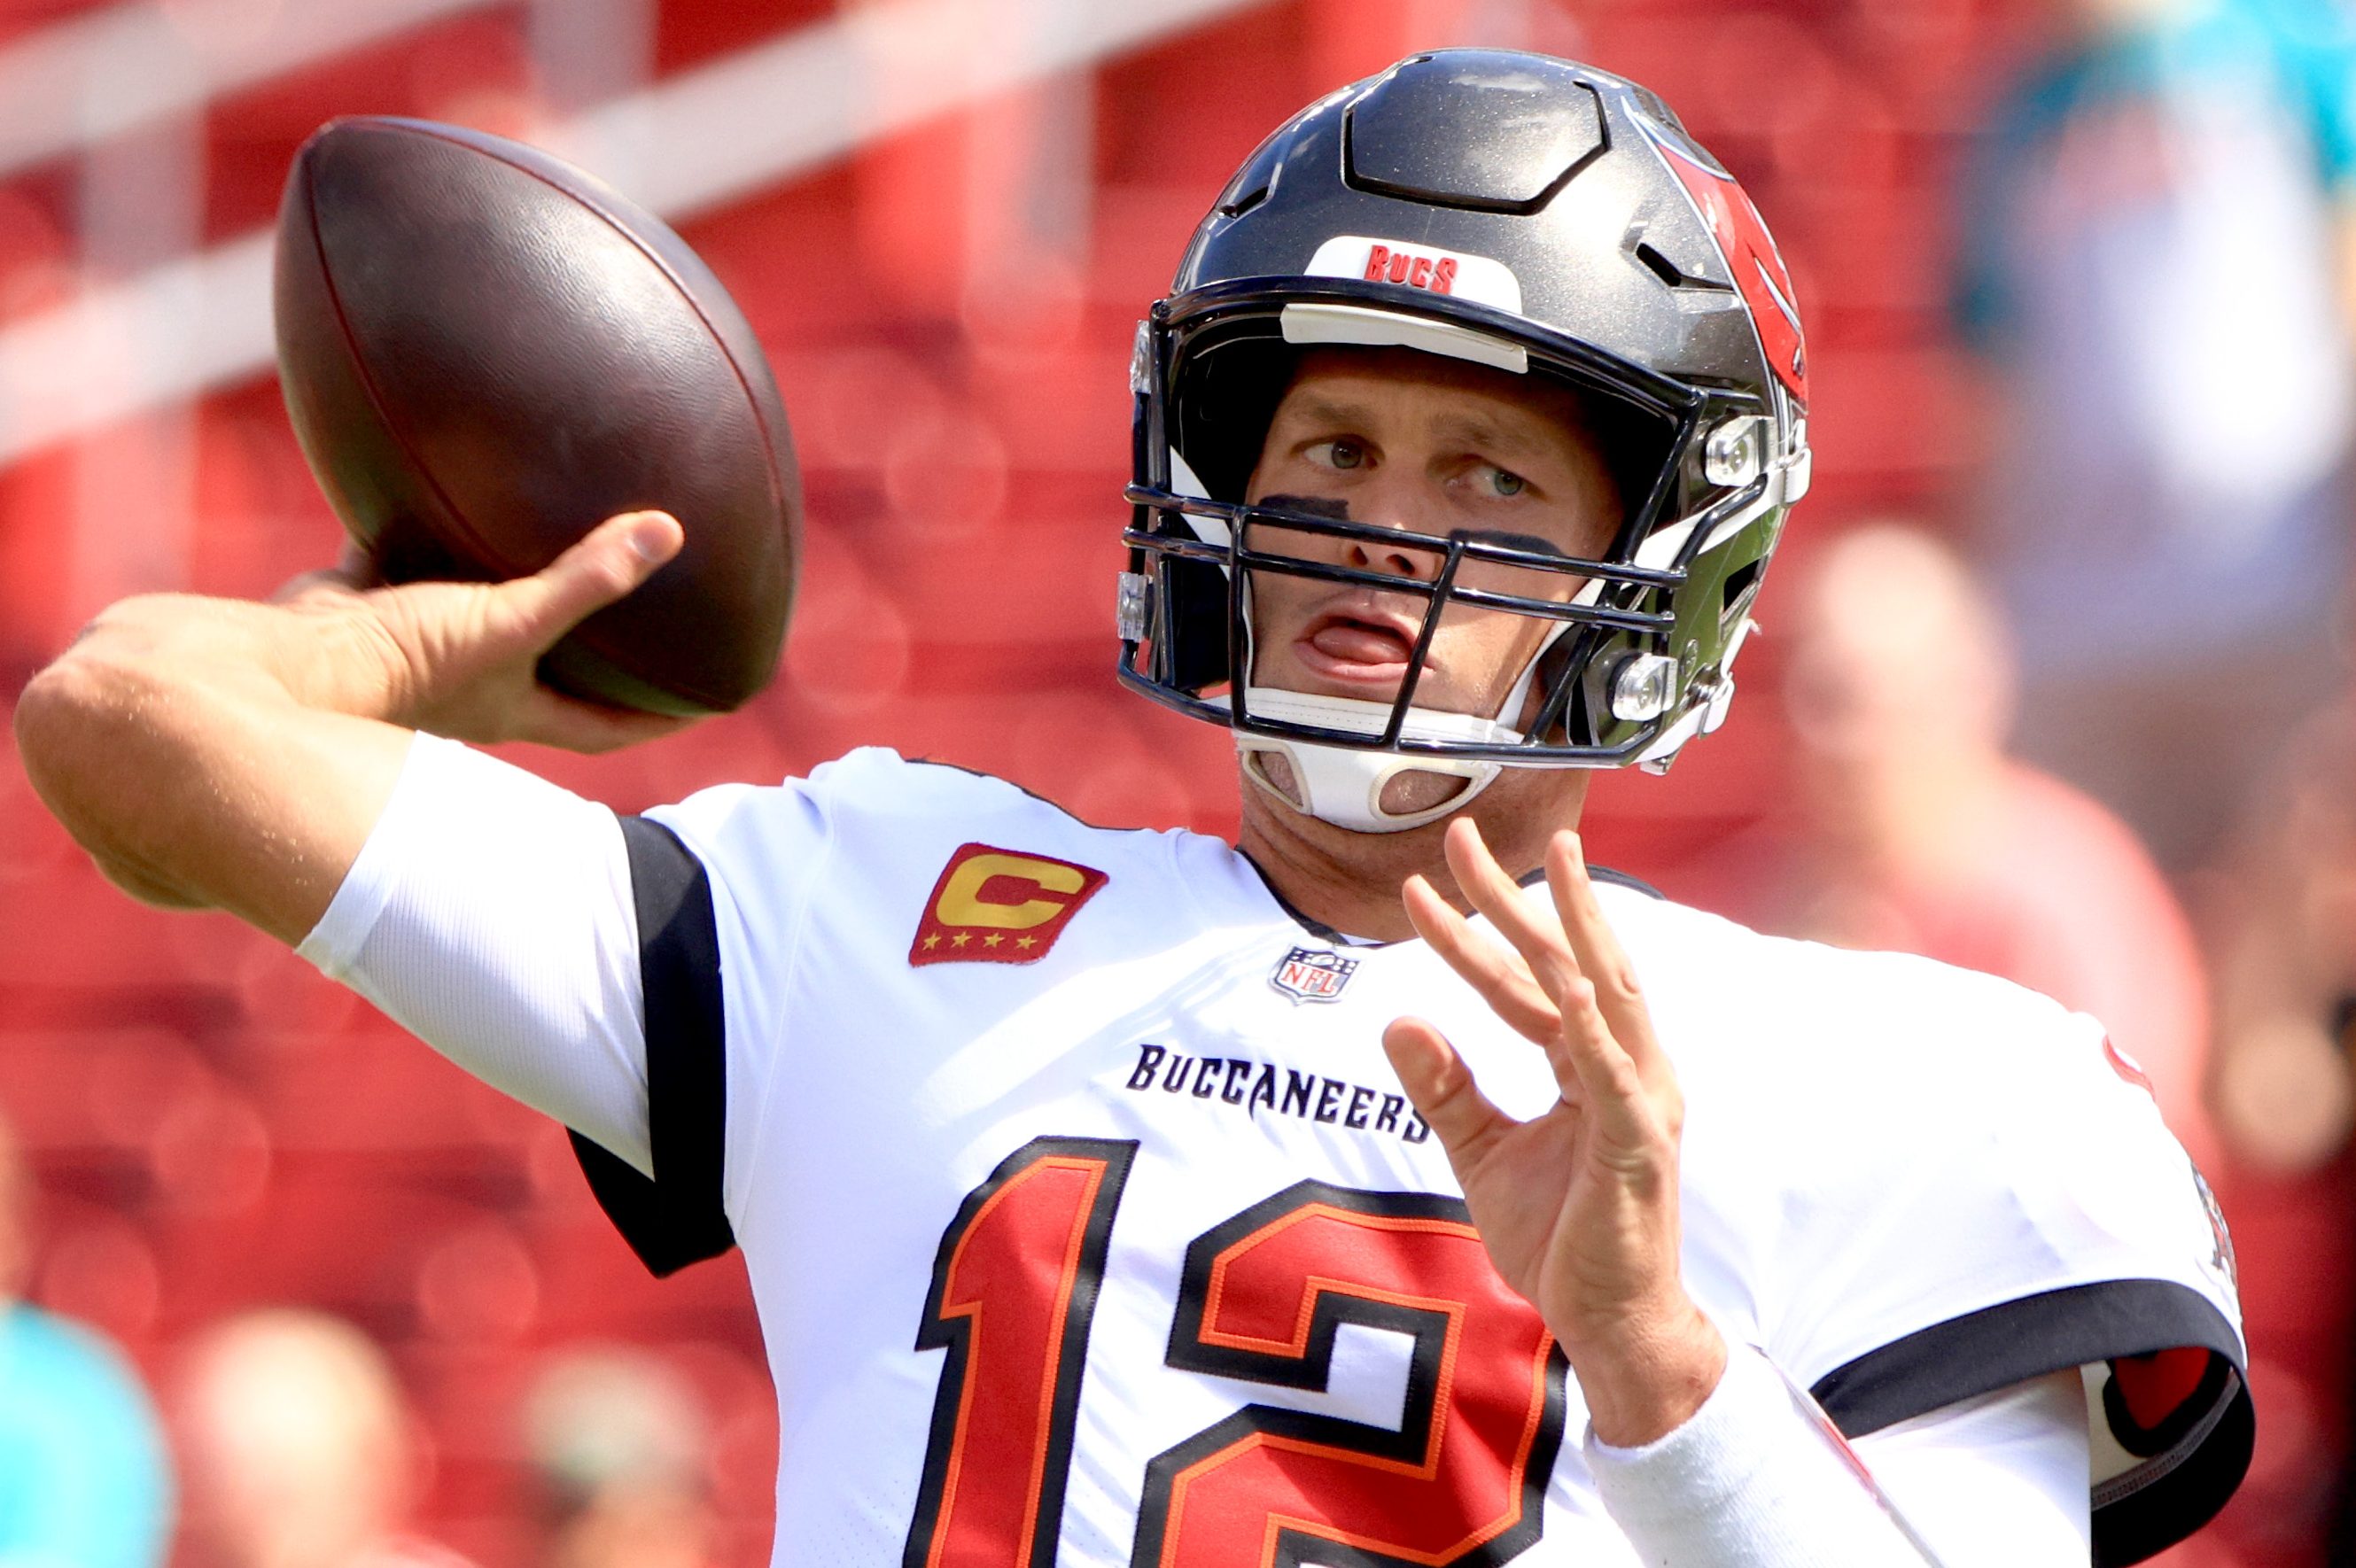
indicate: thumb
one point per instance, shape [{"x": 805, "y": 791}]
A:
[{"x": 606, "y": 564}]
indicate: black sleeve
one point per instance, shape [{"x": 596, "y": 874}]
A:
[
  {"x": 2188, "y": 1423},
  {"x": 677, "y": 1218}
]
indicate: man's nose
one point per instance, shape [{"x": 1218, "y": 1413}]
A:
[
  {"x": 1394, "y": 561},
  {"x": 1394, "y": 508}
]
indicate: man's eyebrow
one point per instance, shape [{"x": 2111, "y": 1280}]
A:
[
  {"x": 1319, "y": 409},
  {"x": 1488, "y": 435},
  {"x": 1458, "y": 429}
]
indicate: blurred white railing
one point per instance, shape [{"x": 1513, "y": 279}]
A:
[
  {"x": 689, "y": 143},
  {"x": 106, "y": 73}
]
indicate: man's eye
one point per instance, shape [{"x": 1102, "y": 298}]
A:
[
  {"x": 1343, "y": 453},
  {"x": 1503, "y": 482}
]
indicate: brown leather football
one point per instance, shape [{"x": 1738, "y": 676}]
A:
[{"x": 486, "y": 352}]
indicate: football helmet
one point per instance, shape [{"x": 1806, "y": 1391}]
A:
[{"x": 1517, "y": 211}]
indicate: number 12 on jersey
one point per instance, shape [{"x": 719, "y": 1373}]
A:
[{"x": 1462, "y": 1480}]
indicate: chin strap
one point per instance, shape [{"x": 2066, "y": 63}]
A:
[{"x": 1343, "y": 785}]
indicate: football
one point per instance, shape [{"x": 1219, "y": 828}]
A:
[{"x": 486, "y": 352}]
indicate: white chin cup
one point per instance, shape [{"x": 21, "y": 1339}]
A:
[{"x": 1344, "y": 787}]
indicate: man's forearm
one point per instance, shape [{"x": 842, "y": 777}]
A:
[
  {"x": 224, "y": 754},
  {"x": 195, "y": 748}
]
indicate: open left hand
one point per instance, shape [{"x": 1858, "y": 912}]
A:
[{"x": 1579, "y": 1205}]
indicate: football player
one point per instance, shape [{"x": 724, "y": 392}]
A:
[{"x": 1389, "y": 1187}]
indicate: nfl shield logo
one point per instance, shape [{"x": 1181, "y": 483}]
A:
[{"x": 1313, "y": 974}]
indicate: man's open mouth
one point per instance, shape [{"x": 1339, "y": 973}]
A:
[{"x": 1359, "y": 645}]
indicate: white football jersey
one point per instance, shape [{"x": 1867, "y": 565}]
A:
[{"x": 1088, "y": 1222}]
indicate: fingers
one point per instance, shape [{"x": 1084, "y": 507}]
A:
[
  {"x": 1593, "y": 1071},
  {"x": 1599, "y": 954},
  {"x": 352, "y": 574},
  {"x": 1442, "y": 1091},
  {"x": 552, "y": 718},
  {"x": 1540, "y": 942},
  {"x": 1501, "y": 980},
  {"x": 356, "y": 566},
  {"x": 326, "y": 585},
  {"x": 608, "y": 562},
  {"x": 1602, "y": 1049}
]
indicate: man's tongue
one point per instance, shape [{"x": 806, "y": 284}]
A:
[{"x": 1357, "y": 643}]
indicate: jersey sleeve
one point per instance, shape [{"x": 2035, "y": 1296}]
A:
[
  {"x": 620, "y": 974},
  {"x": 1994, "y": 1197},
  {"x": 668, "y": 1207},
  {"x": 489, "y": 915},
  {"x": 721, "y": 883}
]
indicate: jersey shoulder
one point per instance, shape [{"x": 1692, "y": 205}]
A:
[
  {"x": 875, "y": 792},
  {"x": 1845, "y": 1031},
  {"x": 1941, "y": 1183},
  {"x": 868, "y": 846},
  {"x": 1883, "y": 1073}
]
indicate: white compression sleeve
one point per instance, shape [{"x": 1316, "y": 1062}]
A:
[
  {"x": 490, "y": 914},
  {"x": 1751, "y": 1482}
]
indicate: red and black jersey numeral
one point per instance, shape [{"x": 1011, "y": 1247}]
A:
[
  {"x": 1463, "y": 1480},
  {"x": 1014, "y": 1292}
]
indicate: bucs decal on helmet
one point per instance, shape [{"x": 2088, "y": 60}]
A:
[
  {"x": 1481, "y": 279},
  {"x": 1751, "y": 255},
  {"x": 1000, "y": 906}
]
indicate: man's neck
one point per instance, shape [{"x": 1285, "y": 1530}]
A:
[{"x": 1349, "y": 882}]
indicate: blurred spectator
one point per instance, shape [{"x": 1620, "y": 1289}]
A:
[
  {"x": 1912, "y": 830},
  {"x": 2156, "y": 260},
  {"x": 299, "y": 1452},
  {"x": 84, "y": 1481},
  {"x": 618, "y": 1442},
  {"x": 2285, "y": 918}
]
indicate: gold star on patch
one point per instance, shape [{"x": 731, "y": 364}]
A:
[
  {"x": 1026, "y": 942},
  {"x": 933, "y": 941},
  {"x": 992, "y": 939},
  {"x": 959, "y": 940}
]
